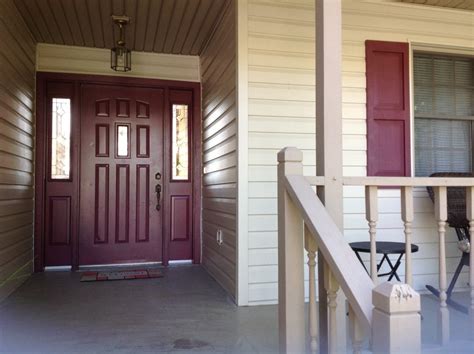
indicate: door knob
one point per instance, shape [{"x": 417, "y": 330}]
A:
[{"x": 158, "y": 176}]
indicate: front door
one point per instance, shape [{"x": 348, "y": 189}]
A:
[
  {"x": 118, "y": 171},
  {"x": 121, "y": 218}
]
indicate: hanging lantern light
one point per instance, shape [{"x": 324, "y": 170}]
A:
[{"x": 120, "y": 55}]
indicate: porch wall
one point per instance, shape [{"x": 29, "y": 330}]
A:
[
  {"x": 281, "y": 70},
  {"x": 218, "y": 70},
  {"x": 96, "y": 61},
  {"x": 17, "y": 90}
]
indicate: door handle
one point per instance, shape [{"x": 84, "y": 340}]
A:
[{"x": 158, "y": 196}]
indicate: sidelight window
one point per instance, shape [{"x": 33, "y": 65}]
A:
[
  {"x": 61, "y": 139},
  {"x": 180, "y": 142}
]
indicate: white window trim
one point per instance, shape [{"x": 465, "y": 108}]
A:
[{"x": 414, "y": 46}]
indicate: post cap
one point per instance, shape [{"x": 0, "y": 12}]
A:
[
  {"x": 290, "y": 154},
  {"x": 395, "y": 298}
]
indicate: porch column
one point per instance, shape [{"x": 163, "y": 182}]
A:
[{"x": 329, "y": 137}]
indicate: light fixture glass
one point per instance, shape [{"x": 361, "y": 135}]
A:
[
  {"x": 121, "y": 59},
  {"x": 120, "y": 55}
]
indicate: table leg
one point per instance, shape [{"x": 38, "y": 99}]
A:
[
  {"x": 394, "y": 268},
  {"x": 361, "y": 261}
]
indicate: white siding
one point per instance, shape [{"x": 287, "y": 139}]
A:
[
  {"x": 282, "y": 112},
  {"x": 17, "y": 82},
  {"x": 96, "y": 61},
  {"x": 220, "y": 152}
]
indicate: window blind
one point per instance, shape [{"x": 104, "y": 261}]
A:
[
  {"x": 444, "y": 86},
  {"x": 442, "y": 145}
]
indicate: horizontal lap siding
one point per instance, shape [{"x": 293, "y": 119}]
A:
[
  {"x": 282, "y": 112},
  {"x": 218, "y": 69},
  {"x": 17, "y": 72}
]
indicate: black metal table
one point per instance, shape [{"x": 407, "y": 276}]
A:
[{"x": 385, "y": 248}]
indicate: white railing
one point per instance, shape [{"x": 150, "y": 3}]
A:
[{"x": 303, "y": 222}]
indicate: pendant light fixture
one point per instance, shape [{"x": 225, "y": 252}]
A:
[{"x": 120, "y": 55}]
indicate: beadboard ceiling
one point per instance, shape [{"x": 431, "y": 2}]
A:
[
  {"x": 455, "y": 4},
  {"x": 160, "y": 26}
]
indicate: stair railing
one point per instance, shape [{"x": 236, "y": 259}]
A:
[{"x": 388, "y": 314}]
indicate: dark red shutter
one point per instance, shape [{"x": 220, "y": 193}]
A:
[{"x": 388, "y": 109}]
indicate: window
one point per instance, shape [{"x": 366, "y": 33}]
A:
[
  {"x": 180, "y": 143},
  {"x": 61, "y": 139},
  {"x": 444, "y": 112}
]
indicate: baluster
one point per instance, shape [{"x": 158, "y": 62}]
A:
[
  {"x": 357, "y": 332},
  {"x": 312, "y": 248},
  {"x": 407, "y": 217},
  {"x": 470, "y": 217},
  {"x": 332, "y": 287},
  {"x": 371, "y": 214},
  {"x": 441, "y": 212}
]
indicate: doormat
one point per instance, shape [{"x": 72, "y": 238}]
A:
[{"x": 121, "y": 275}]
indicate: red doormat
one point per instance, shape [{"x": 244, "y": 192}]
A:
[{"x": 121, "y": 275}]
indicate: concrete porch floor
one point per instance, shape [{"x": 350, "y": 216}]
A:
[{"x": 186, "y": 311}]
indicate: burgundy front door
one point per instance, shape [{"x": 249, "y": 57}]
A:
[{"x": 121, "y": 216}]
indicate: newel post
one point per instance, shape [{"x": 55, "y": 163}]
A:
[
  {"x": 396, "y": 321},
  {"x": 290, "y": 258}
]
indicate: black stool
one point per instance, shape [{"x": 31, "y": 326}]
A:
[{"x": 385, "y": 248}]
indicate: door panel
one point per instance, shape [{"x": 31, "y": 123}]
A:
[
  {"x": 179, "y": 193},
  {"x": 119, "y": 222},
  {"x": 60, "y": 178}
]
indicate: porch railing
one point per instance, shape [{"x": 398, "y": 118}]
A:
[{"x": 388, "y": 313}]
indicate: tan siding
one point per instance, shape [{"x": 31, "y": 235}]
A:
[
  {"x": 218, "y": 77},
  {"x": 17, "y": 69},
  {"x": 96, "y": 61},
  {"x": 282, "y": 112}
]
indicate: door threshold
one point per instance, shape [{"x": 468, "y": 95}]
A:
[
  {"x": 57, "y": 269},
  {"x": 116, "y": 266},
  {"x": 181, "y": 262}
]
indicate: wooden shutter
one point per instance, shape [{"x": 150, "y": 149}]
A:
[{"x": 388, "y": 109}]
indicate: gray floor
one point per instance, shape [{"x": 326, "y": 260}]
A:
[{"x": 186, "y": 311}]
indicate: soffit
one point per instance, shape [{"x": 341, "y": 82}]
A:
[
  {"x": 160, "y": 26},
  {"x": 454, "y": 4}
]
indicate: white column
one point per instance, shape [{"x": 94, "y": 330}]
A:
[
  {"x": 329, "y": 131},
  {"x": 290, "y": 258}
]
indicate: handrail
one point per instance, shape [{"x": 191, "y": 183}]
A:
[
  {"x": 397, "y": 181},
  {"x": 353, "y": 279}
]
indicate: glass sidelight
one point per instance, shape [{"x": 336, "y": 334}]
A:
[
  {"x": 180, "y": 142},
  {"x": 61, "y": 139}
]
